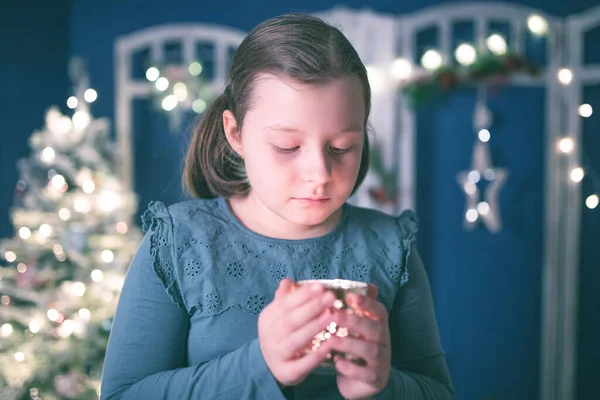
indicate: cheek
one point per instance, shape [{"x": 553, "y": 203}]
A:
[
  {"x": 348, "y": 166},
  {"x": 269, "y": 170}
]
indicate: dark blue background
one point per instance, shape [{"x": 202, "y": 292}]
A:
[{"x": 486, "y": 287}]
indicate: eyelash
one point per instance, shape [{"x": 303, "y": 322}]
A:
[
  {"x": 284, "y": 150},
  {"x": 334, "y": 150}
]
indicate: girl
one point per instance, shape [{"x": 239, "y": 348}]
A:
[{"x": 209, "y": 308}]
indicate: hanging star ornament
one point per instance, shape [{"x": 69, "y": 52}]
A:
[{"x": 488, "y": 210}]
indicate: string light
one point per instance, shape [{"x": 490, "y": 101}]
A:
[
  {"x": 152, "y": 74},
  {"x": 431, "y": 60},
  {"x": 180, "y": 91},
  {"x": 97, "y": 275},
  {"x": 57, "y": 249},
  {"x": 53, "y": 315},
  {"x": 483, "y": 208},
  {"x": 566, "y": 145},
  {"x": 489, "y": 174},
  {"x": 35, "y": 326},
  {"x": 188, "y": 90},
  {"x": 48, "y": 154},
  {"x": 72, "y": 102},
  {"x": 66, "y": 328},
  {"x": 64, "y": 214},
  {"x": 21, "y": 268},
  {"x": 470, "y": 187},
  {"x": 497, "y": 44},
  {"x": 88, "y": 186},
  {"x": 81, "y": 119},
  {"x": 108, "y": 201},
  {"x": 199, "y": 106},
  {"x": 5, "y": 300},
  {"x": 85, "y": 314},
  {"x": 162, "y": 84},
  {"x": 25, "y": 232},
  {"x": 484, "y": 135},
  {"x": 474, "y": 177},
  {"x": 82, "y": 205},
  {"x": 90, "y": 95},
  {"x": 107, "y": 256},
  {"x": 465, "y": 54},
  {"x": 585, "y": 110},
  {"x": 565, "y": 76},
  {"x": 472, "y": 215},
  {"x": 19, "y": 356},
  {"x": 537, "y": 25},
  {"x": 195, "y": 68},
  {"x": 78, "y": 289},
  {"x": 45, "y": 230},
  {"x": 169, "y": 103},
  {"x": 401, "y": 69},
  {"x": 592, "y": 201},
  {"x": 122, "y": 228},
  {"x": 58, "y": 182},
  {"x": 577, "y": 174},
  {"x": 6, "y": 330},
  {"x": 10, "y": 256}
]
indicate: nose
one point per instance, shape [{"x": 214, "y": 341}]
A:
[{"x": 317, "y": 167}]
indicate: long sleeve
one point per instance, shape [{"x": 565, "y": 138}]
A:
[
  {"x": 419, "y": 369},
  {"x": 146, "y": 354}
]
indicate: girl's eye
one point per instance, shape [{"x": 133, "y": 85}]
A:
[
  {"x": 285, "y": 150},
  {"x": 337, "y": 150}
]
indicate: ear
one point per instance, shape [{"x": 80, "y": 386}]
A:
[{"x": 231, "y": 132}]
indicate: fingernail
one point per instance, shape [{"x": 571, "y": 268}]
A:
[{"x": 316, "y": 287}]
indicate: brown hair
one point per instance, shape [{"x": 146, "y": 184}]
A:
[{"x": 298, "y": 46}]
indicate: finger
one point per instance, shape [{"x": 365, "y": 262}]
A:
[
  {"x": 374, "y": 354},
  {"x": 356, "y": 372},
  {"x": 285, "y": 286},
  {"x": 307, "y": 311},
  {"x": 299, "y": 296},
  {"x": 302, "y": 337},
  {"x": 366, "y": 328},
  {"x": 367, "y": 306},
  {"x": 304, "y": 365},
  {"x": 372, "y": 291}
]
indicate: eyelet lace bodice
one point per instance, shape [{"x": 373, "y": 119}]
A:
[{"x": 209, "y": 263}]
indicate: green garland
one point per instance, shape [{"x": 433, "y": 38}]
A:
[{"x": 488, "y": 68}]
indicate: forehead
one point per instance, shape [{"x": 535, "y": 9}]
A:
[{"x": 330, "y": 106}]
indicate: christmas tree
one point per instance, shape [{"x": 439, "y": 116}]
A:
[{"x": 61, "y": 274}]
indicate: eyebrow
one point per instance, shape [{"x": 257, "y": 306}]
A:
[{"x": 282, "y": 128}]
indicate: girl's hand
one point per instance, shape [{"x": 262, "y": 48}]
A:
[
  {"x": 372, "y": 345},
  {"x": 288, "y": 325}
]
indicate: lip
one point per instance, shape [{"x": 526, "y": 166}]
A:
[{"x": 312, "y": 200}]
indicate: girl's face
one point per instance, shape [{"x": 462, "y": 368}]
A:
[{"x": 302, "y": 146}]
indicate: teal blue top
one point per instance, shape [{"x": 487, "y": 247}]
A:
[{"x": 186, "y": 322}]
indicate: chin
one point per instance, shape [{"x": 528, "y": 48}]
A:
[
  {"x": 308, "y": 220},
  {"x": 309, "y": 217}
]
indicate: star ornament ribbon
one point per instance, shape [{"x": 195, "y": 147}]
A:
[{"x": 487, "y": 210}]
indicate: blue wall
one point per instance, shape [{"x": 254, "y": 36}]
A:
[
  {"x": 486, "y": 287},
  {"x": 34, "y": 47}
]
